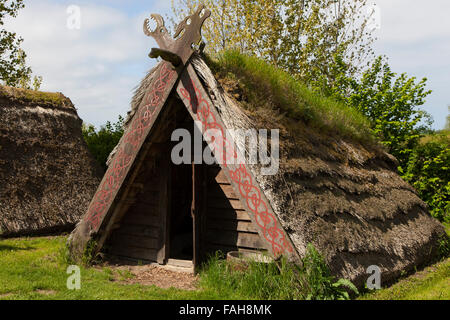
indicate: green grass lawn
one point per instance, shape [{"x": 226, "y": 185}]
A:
[
  {"x": 34, "y": 268},
  {"x": 432, "y": 283}
]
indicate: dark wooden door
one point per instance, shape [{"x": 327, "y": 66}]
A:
[{"x": 142, "y": 232}]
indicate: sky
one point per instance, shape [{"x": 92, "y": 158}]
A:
[{"x": 99, "y": 64}]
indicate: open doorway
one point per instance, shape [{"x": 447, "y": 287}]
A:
[{"x": 181, "y": 222}]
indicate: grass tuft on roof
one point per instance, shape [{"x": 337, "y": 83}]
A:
[
  {"x": 266, "y": 86},
  {"x": 34, "y": 97}
]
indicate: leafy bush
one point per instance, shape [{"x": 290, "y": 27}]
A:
[
  {"x": 390, "y": 101},
  {"x": 318, "y": 282},
  {"x": 276, "y": 280},
  {"x": 12, "y": 58},
  {"x": 428, "y": 171},
  {"x": 103, "y": 141}
]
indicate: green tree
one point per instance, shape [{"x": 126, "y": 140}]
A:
[
  {"x": 300, "y": 36},
  {"x": 101, "y": 142},
  {"x": 428, "y": 171},
  {"x": 12, "y": 58},
  {"x": 25, "y": 81},
  {"x": 389, "y": 100}
]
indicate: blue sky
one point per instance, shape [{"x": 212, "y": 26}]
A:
[{"x": 98, "y": 65}]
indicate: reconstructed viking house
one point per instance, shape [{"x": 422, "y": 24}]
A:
[
  {"x": 47, "y": 175},
  {"x": 330, "y": 190}
]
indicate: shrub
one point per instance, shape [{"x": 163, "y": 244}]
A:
[
  {"x": 318, "y": 282},
  {"x": 388, "y": 100},
  {"x": 100, "y": 143},
  {"x": 276, "y": 280},
  {"x": 428, "y": 172}
]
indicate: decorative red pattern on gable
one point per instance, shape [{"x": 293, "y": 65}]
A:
[
  {"x": 265, "y": 220},
  {"x": 129, "y": 147}
]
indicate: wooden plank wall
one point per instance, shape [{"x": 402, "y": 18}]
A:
[
  {"x": 140, "y": 235},
  {"x": 227, "y": 225}
]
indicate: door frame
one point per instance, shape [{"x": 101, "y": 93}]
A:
[
  {"x": 164, "y": 210},
  {"x": 198, "y": 211}
]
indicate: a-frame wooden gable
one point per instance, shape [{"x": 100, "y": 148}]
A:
[
  {"x": 112, "y": 186},
  {"x": 202, "y": 110},
  {"x": 174, "y": 77},
  {"x": 105, "y": 200}
]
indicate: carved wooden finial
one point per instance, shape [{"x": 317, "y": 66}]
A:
[
  {"x": 187, "y": 36},
  {"x": 160, "y": 33}
]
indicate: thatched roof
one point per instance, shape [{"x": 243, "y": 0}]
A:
[
  {"x": 339, "y": 191},
  {"x": 46, "y": 171},
  {"x": 336, "y": 188}
]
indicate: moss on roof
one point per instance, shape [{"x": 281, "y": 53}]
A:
[
  {"x": 265, "y": 86},
  {"x": 34, "y": 97}
]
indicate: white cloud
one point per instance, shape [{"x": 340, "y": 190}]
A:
[
  {"x": 99, "y": 65},
  {"x": 89, "y": 65},
  {"x": 415, "y": 36},
  {"x": 409, "y": 21}
]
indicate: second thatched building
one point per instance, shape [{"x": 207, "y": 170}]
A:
[{"x": 47, "y": 175}]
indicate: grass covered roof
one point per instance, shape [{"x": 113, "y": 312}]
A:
[{"x": 261, "y": 85}]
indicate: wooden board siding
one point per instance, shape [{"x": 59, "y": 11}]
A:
[
  {"x": 227, "y": 225},
  {"x": 146, "y": 218},
  {"x": 143, "y": 231},
  {"x": 140, "y": 235}
]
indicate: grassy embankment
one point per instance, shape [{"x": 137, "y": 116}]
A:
[{"x": 264, "y": 86}]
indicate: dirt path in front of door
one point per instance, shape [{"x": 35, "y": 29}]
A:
[{"x": 150, "y": 274}]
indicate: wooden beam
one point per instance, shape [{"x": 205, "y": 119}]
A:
[
  {"x": 105, "y": 205},
  {"x": 164, "y": 211},
  {"x": 195, "y": 221}
]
